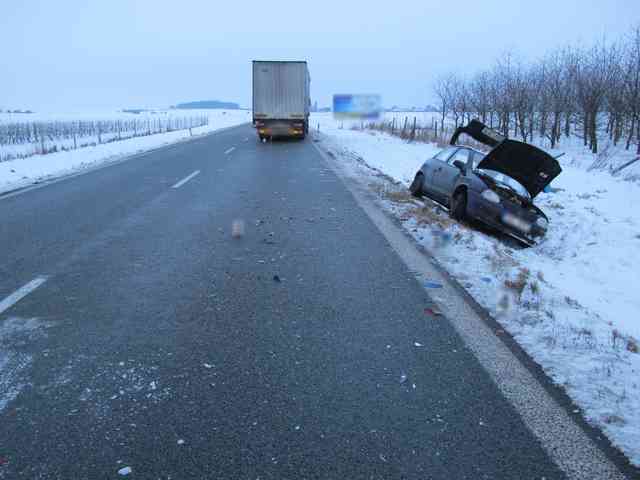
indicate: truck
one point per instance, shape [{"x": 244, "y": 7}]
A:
[{"x": 281, "y": 100}]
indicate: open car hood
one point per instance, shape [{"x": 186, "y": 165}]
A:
[{"x": 528, "y": 165}]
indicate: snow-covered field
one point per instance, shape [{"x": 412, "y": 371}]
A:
[
  {"x": 572, "y": 301},
  {"x": 37, "y": 168}
]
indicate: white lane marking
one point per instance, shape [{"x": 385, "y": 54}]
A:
[
  {"x": 22, "y": 292},
  {"x": 228, "y": 151},
  {"x": 61, "y": 178},
  {"x": 186, "y": 179}
]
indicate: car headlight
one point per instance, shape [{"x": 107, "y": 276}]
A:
[
  {"x": 490, "y": 196},
  {"x": 542, "y": 223}
]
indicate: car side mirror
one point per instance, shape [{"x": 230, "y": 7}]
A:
[{"x": 460, "y": 165}]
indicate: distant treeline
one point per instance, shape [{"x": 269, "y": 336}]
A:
[{"x": 208, "y": 104}]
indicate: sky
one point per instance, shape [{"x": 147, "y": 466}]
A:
[{"x": 79, "y": 55}]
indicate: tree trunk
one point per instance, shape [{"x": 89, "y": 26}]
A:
[
  {"x": 633, "y": 122},
  {"x": 593, "y": 133}
]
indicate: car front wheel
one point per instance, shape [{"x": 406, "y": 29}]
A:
[
  {"x": 416, "y": 186},
  {"x": 458, "y": 207}
]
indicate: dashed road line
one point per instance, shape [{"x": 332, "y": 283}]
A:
[
  {"x": 186, "y": 179},
  {"x": 22, "y": 292}
]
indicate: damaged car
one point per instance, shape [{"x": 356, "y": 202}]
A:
[{"x": 496, "y": 188}]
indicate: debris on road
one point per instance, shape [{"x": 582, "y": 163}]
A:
[
  {"x": 124, "y": 471},
  {"x": 418, "y": 344},
  {"x": 276, "y": 279},
  {"x": 403, "y": 378},
  {"x": 180, "y": 442},
  {"x": 432, "y": 284},
  {"x": 237, "y": 228},
  {"x": 432, "y": 311}
]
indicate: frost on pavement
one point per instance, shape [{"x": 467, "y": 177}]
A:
[{"x": 15, "y": 335}]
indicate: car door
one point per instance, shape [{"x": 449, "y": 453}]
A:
[
  {"x": 430, "y": 166},
  {"x": 446, "y": 174}
]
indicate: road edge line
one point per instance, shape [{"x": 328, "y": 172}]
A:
[{"x": 570, "y": 445}]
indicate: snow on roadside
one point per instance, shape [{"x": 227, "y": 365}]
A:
[
  {"x": 570, "y": 301},
  {"x": 38, "y": 168}
]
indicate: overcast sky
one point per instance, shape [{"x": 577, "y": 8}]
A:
[{"x": 69, "y": 55}]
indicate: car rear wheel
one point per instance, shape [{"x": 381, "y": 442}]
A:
[
  {"x": 416, "y": 186},
  {"x": 458, "y": 208}
]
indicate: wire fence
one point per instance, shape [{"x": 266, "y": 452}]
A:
[{"x": 24, "y": 139}]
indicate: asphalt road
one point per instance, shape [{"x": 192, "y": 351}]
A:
[{"x": 156, "y": 340}]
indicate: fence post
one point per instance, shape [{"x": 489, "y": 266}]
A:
[{"x": 413, "y": 130}]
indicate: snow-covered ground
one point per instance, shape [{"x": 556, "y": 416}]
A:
[
  {"x": 37, "y": 168},
  {"x": 572, "y": 301}
]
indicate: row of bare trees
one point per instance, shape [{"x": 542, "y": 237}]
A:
[{"x": 593, "y": 92}]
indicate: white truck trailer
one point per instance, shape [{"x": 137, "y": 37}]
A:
[{"x": 281, "y": 98}]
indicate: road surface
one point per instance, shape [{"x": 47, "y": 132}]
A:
[{"x": 137, "y": 331}]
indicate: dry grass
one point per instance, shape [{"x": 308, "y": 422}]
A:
[
  {"x": 518, "y": 284},
  {"x": 429, "y": 215},
  {"x": 556, "y": 206},
  {"x": 500, "y": 260},
  {"x": 398, "y": 196}
]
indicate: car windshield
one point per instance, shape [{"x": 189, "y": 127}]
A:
[
  {"x": 507, "y": 181},
  {"x": 501, "y": 178}
]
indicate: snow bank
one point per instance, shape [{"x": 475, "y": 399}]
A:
[
  {"x": 572, "y": 301},
  {"x": 22, "y": 172}
]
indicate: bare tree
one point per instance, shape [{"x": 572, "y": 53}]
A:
[{"x": 631, "y": 86}]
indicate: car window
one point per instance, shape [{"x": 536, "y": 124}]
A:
[
  {"x": 476, "y": 158},
  {"x": 462, "y": 154},
  {"x": 445, "y": 154}
]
